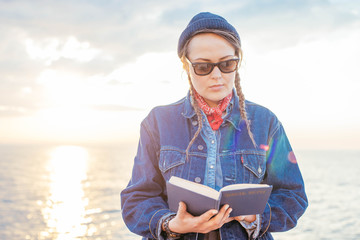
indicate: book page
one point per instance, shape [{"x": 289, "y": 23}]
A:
[
  {"x": 195, "y": 187},
  {"x": 242, "y": 186}
]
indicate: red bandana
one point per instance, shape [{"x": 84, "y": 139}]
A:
[{"x": 214, "y": 115}]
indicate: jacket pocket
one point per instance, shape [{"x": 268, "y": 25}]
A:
[
  {"x": 254, "y": 167},
  {"x": 171, "y": 162},
  {"x": 229, "y": 170}
]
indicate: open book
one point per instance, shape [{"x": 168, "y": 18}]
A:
[{"x": 244, "y": 199}]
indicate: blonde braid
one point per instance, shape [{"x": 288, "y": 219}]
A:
[
  {"x": 242, "y": 107},
  {"x": 199, "y": 117}
]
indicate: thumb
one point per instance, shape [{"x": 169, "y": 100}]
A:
[{"x": 182, "y": 209}]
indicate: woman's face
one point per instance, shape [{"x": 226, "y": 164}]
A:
[{"x": 209, "y": 47}]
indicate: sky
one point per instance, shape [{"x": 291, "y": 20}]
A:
[{"x": 90, "y": 71}]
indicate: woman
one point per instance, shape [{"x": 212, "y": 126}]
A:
[{"x": 214, "y": 137}]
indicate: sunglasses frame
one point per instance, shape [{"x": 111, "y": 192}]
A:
[{"x": 213, "y": 65}]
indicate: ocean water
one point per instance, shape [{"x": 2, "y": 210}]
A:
[{"x": 72, "y": 192}]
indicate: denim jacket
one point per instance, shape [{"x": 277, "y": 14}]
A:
[{"x": 164, "y": 136}]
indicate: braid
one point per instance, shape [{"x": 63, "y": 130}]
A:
[
  {"x": 199, "y": 117},
  {"x": 242, "y": 106}
]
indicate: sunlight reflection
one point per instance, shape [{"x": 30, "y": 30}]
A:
[
  {"x": 292, "y": 158},
  {"x": 64, "y": 211},
  {"x": 264, "y": 147}
]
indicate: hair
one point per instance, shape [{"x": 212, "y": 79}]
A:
[{"x": 231, "y": 38}]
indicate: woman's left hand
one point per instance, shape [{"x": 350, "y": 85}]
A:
[{"x": 247, "y": 218}]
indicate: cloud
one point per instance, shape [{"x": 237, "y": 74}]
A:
[
  {"x": 6, "y": 111},
  {"x": 96, "y": 38},
  {"x": 51, "y": 50},
  {"x": 272, "y": 25},
  {"x": 118, "y": 57}
]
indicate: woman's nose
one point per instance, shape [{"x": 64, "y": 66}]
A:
[{"x": 215, "y": 73}]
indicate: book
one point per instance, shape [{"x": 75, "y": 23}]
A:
[{"x": 244, "y": 199}]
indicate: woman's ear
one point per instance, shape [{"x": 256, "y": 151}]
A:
[
  {"x": 185, "y": 64},
  {"x": 186, "y": 67}
]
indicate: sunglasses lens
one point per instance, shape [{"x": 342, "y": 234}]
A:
[
  {"x": 202, "y": 68},
  {"x": 228, "y": 66}
]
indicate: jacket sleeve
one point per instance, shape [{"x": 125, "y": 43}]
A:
[
  {"x": 143, "y": 200},
  {"x": 288, "y": 200}
]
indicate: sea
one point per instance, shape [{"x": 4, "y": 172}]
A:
[{"x": 73, "y": 192}]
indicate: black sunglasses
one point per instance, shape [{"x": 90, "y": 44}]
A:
[{"x": 204, "y": 68}]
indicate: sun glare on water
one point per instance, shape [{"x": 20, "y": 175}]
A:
[{"x": 64, "y": 211}]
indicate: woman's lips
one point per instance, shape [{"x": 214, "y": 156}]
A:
[{"x": 216, "y": 87}]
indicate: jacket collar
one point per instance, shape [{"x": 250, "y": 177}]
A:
[
  {"x": 189, "y": 111},
  {"x": 233, "y": 108}
]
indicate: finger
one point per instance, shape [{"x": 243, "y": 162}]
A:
[
  {"x": 208, "y": 215},
  {"x": 224, "y": 210},
  {"x": 250, "y": 218},
  {"x": 229, "y": 219},
  {"x": 219, "y": 219},
  {"x": 239, "y": 218},
  {"x": 226, "y": 215}
]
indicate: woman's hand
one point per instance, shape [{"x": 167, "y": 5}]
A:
[
  {"x": 247, "y": 218},
  {"x": 184, "y": 222}
]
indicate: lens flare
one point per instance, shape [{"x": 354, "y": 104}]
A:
[
  {"x": 264, "y": 147},
  {"x": 291, "y": 157}
]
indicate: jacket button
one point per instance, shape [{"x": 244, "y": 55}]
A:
[
  {"x": 194, "y": 123},
  {"x": 259, "y": 170},
  {"x": 200, "y": 147},
  {"x": 197, "y": 179}
]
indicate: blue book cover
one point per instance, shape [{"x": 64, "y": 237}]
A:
[{"x": 244, "y": 199}]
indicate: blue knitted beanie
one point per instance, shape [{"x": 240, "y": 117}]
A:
[{"x": 205, "y": 20}]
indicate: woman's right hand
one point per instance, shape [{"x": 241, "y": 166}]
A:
[{"x": 184, "y": 222}]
